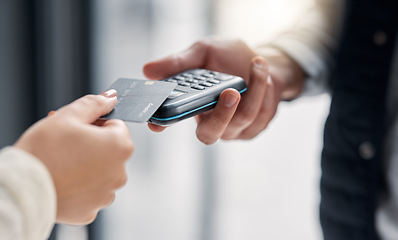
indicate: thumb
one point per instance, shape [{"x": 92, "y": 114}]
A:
[{"x": 89, "y": 108}]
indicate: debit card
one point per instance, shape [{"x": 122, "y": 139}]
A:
[{"x": 138, "y": 100}]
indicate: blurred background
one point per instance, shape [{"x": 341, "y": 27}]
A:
[{"x": 54, "y": 51}]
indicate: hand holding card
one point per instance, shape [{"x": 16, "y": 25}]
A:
[{"x": 138, "y": 100}]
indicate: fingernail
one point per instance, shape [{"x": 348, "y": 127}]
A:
[
  {"x": 109, "y": 93},
  {"x": 230, "y": 100},
  {"x": 258, "y": 62},
  {"x": 50, "y": 113}
]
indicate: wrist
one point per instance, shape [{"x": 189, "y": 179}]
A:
[{"x": 284, "y": 71}]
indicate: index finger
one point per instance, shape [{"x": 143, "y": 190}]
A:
[{"x": 89, "y": 108}]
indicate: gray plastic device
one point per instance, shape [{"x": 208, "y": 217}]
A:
[{"x": 197, "y": 91}]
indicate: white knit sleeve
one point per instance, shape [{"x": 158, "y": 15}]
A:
[{"x": 27, "y": 196}]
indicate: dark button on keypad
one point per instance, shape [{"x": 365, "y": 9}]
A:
[
  {"x": 180, "y": 78},
  {"x": 171, "y": 80},
  {"x": 213, "y": 81},
  {"x": 200, "y": 78},
  {"x": 185, "y": 84},
  {"x": 197, "y": 87},
  {"x": 187, "y": 75},
  {"x": 206, "y": 84},
  {"x": 208, "y": 75}
]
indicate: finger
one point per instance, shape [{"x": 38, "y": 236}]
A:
[
  {"x": 118, "y": 131},
  {"x": 266, "y": 114},
  {"x": 212, "y": 126},
  {"x": 90, "y": 107},
  {"x": 99, "y": 122},
  {"x": 114, "y": 123},
  {"x": 251, "y": 102},
  {"x": 193, "y": 57},
  {"x": 156, "y": 128},
  {"x": 50, "y": 113},
  {"x": 202, "y": 116}
]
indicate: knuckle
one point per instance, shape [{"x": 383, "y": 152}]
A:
[
  {"x": 202, "y": 44},
  {"x": 267, "y": 112},
  {"x": 125, "y": 148},
  {"x": 122, "y": 143},
  {"x": 206, "y": 45},
  {"x": 86, "y": 102},
  {"x": 247, "y": 135},
  {"x": 129, "y": 147},
  {"x": 107, "y": 200},
  {"x": 178, "y": 60},
  {"x": 270, "y": 82},
  {"x": 244, "y": 117},
  {"x": 264, "y": 113},
  {"x": 123, "y": 151},
  {"x": 220, "y": 119},
  {"x": 92, "y": 100},
  {"x": 262, "y": 80},
  {"x": 121, "y": 180},
  {"x": 231, "y": 134},
  {"x": 227, "y": 137},
  {"x": 90, "y": 218},
  {"x": 239, "y": 41}
]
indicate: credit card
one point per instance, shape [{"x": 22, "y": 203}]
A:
[{"x": 138, "y": 100}]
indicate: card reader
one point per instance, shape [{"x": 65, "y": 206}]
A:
[{"x": 197, "y": 91}]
